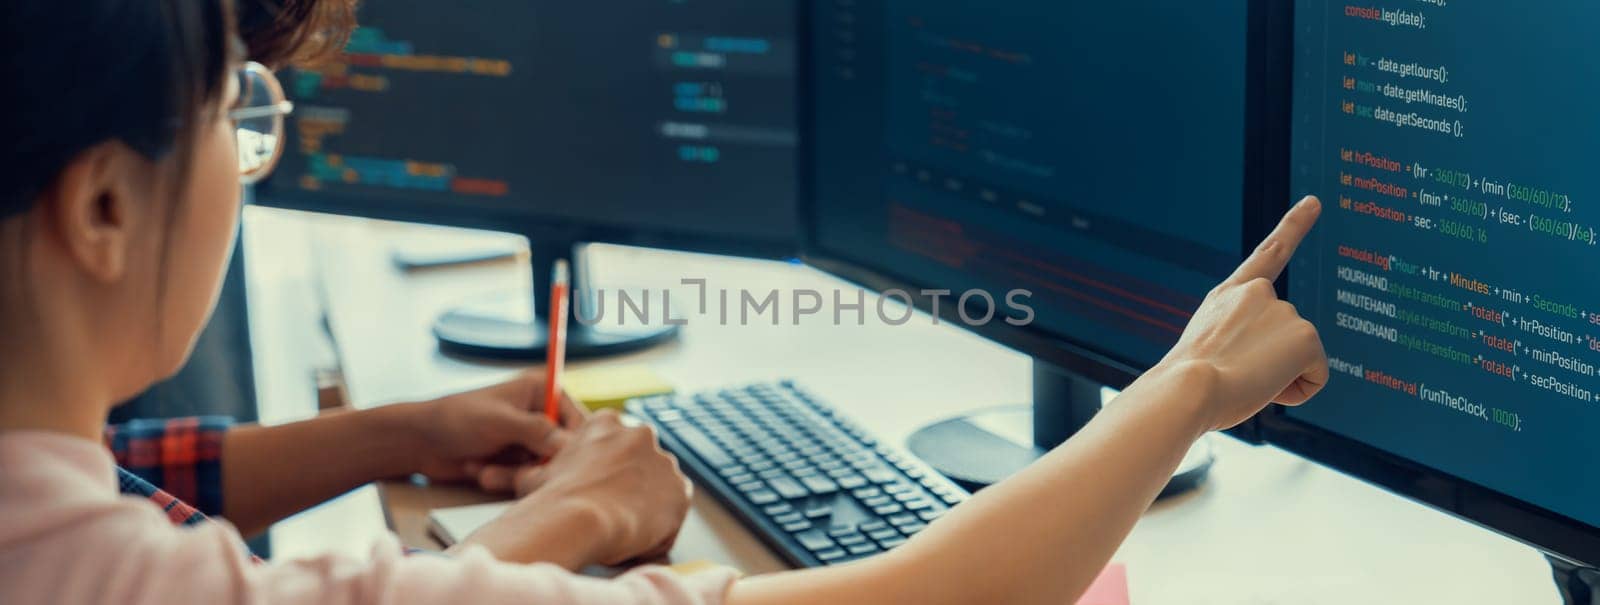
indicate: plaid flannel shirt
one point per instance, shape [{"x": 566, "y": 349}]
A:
[{"x": 175, "y": 462}]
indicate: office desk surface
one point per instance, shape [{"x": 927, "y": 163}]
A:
[{"x": 1267, "y": 527}]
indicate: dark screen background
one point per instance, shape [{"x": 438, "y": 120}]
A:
[{"x": 1089, "y": 152}]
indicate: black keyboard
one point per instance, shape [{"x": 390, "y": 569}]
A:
[{"x": 812, "y": 484}]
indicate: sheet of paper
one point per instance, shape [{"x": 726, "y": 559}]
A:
[{"x": 451, "y": 525}]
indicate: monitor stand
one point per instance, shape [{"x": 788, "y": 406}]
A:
[
  {"x": 981, "y": 449},
  {"x": 489, "y": 329},
  {"x": 1578, "y": 584}
]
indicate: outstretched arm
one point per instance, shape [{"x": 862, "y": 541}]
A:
[
  {"x": 1042, "y": 535},
  {"x": 271, "y": 472}
]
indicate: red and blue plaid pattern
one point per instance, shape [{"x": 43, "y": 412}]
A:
[
  {"x": 183, "y": 456},
  {"x": 180, "y": 456}
]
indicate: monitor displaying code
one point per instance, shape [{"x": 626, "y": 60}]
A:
[
  {"x": 1454, "y": 275},
  {"x": 668, "y": 115}
]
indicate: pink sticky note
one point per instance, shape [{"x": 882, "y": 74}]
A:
[{"x": 1111, "y": 588}]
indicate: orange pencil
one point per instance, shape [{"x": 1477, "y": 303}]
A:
[{"x": 556, "y": 342}]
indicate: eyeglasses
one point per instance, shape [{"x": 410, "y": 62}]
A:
[{"x": 258, "y": 121}]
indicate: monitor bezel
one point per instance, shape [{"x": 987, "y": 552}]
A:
[
  {"x": 528, "y": 223},
  {"x": 1503, "y": 514},
  {"x": 1060, "y": 350}
]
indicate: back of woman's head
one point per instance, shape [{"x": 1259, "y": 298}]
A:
[{"x": 141, "y": 72}]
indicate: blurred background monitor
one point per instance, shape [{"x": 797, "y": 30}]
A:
[{"x": 663, "y": 123}]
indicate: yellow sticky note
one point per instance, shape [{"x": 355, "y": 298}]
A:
[{"x": 609, "y": 386}]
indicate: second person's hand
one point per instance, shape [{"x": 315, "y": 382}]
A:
[
  {"x": 610, "y": 495},
  {"x": 484, "y": 433}
]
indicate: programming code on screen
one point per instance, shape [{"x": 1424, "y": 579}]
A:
[
  {"x": 1454, "y": 273},
  {"x": 1044, "y": 146},
  {"x": 636, "y": 113}
]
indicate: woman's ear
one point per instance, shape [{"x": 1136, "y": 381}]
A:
[{"x": 93, "y": 210}]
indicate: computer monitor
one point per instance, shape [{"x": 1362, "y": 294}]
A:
[
  {"x": 659, "y": 123},
  {"x": 1106, "y": 158},
  {"x": 1454, "y": 274}
]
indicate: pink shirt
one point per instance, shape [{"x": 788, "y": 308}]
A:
[{"x": 68, "y": 536}]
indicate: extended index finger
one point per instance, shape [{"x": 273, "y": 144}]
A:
[{"x": 1274, "y": 253}]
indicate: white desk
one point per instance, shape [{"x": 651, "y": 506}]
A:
[{"x": 1267, "y": 528}]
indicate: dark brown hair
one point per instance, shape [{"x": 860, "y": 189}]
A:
[
  {"x": 148, "y": 73},
  {"x": 284, "y": 32},
  {"x": 138, "y": 71}
]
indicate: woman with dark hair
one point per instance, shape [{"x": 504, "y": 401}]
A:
[{"x": 132, "y": 124}]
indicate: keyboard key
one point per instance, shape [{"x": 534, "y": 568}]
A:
[
  {"x": 772, "y": 473},
  {"x": 832, "y": 554},
  {"x": 814, "y": 540},
  {"x": 800, "y": 525},
  {"x": 899, "y": 520},
  {"x": 898, "y": 488},
  {"x": 851, "y": 481},
  {"x": 761, "y": 467},
  {"x": 841, "y": 472},
  {"x": 866, "y": 492},
  {"x": 951, "y": 499},
  {"x": 877, "y": 501},
  {"x": 762, "y": 497},
  {"x": 750, "y": 486},
  {"x": 918, "y": 504},
  {"x": 931, "y": 514},
  {"x": 820, "y": 485},
  {"x": 729, "y": 471},
  {"x": 790, "y": 517},
  {"x": 788, "y": 488},
  {"x": 912, "y": 528},
  {"x": 872, "y": 526},
  {"x": 886, "y": 533},
  {"x": 864, "y": 548},
  {"x": 891, "y": 543},
  {"x": 848, "y": 539},
  {"x": 803, "y": 472},
  {"x": 916, "y": 473},
  {"x": 741, "y": 478},
  {"x": 841, "y": 530},
  {"x": 907, "y": 496},
  {"x": 818, "y": 512},
  {"x": 878, "y": 474},
  {"x": 703, "y": 447},
  {"x": 888, "y": 509},
  {"x": 778, "y": 509}
]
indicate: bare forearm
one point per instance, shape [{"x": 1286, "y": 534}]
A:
[
  {"x": 270, "y": 473},
  {"x": 1041, "y": 536}
]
